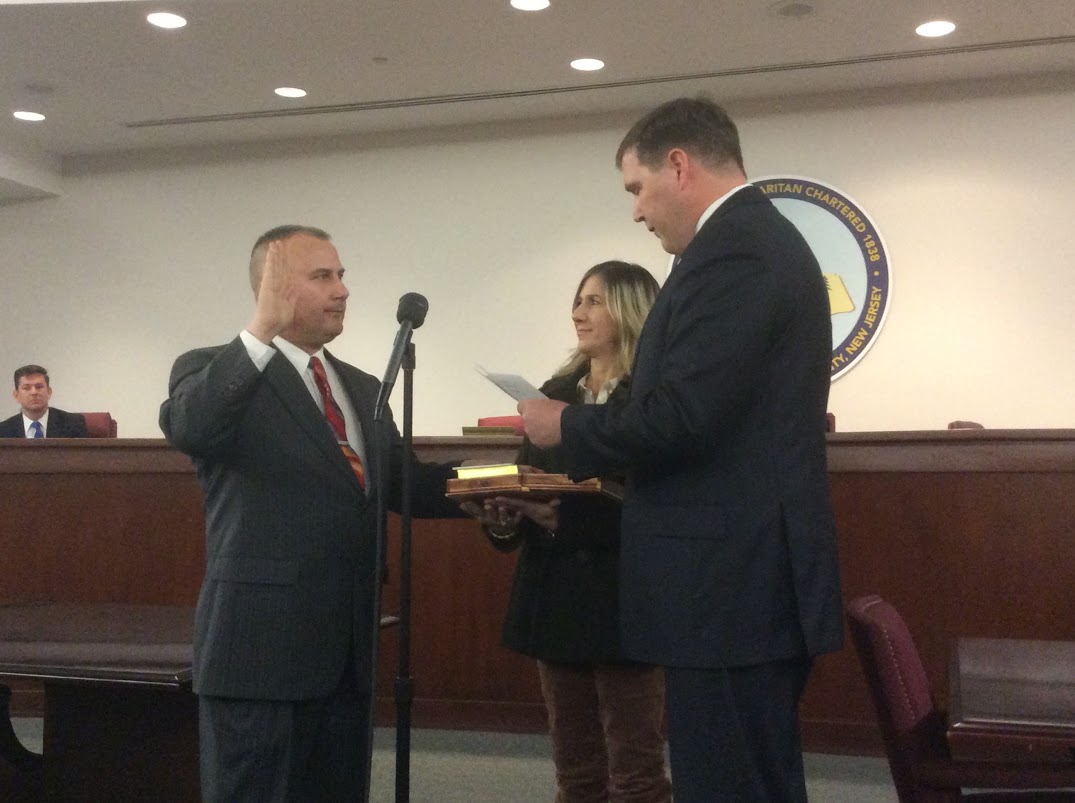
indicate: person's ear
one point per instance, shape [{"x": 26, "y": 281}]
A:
[{"x": 679, "y": 161}]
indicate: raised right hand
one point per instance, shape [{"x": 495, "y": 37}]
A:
[{"x": 276, "y": 296}]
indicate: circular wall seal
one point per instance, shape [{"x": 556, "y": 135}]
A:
[{"x": 852, "y": 255}]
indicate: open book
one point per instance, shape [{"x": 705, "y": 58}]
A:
[{"x": 534, "y": 485}]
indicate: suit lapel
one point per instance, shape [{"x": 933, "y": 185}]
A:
[
  {"x": 702, "y": 241},
  {"x": 687, "y": 262},
  {"x": 295, "y": 397},
  {"x": 60, "y": 425}
]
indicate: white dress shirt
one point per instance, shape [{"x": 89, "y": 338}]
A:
[
  {"x": 43, "y": 421},
  {"x": 260, "y": 354}
]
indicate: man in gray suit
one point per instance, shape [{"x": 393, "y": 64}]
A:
[{"x": 282, "y": 437}]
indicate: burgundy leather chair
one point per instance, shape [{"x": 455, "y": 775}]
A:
[
  {"x": 100, "y": 425},
  {"x": 915, "y": 730}
]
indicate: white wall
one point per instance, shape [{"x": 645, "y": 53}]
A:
[{"x": 143, "y": 257}]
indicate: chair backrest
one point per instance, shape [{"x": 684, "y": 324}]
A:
[
  {"x": 964, "y": 425},
  {"x": 100, "y": 425},
  {"x": 912, "y": 726},
  {"x": 830, "y": 422},
  {"x": 513, "y": 421}
]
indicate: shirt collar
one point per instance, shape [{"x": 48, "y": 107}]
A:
[
  {"x": 43, "y": 421},
  {"x": 296, "y": 356},
  {"x": 602, "y": 395},
  {"x": 708, "y": 213}
]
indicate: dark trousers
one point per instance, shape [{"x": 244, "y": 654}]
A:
[
  {"x": 606, "y": 723},
  {"x": 284, "y": 751},
  {"x": 734, "y": 733}
]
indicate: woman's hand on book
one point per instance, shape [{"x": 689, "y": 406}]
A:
[
  {"x": 544, "y": 513},
  {"x": 501, "y": 514},
  {"x": 498, "y": 520}
]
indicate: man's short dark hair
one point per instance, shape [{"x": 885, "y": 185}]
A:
[
  {"x": 30, "y": 370},
  {"x": 696, "y": 125},
  {"x": 257, "y": 253}
]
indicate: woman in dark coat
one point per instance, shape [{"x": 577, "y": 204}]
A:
[{"x": 606, "y": 715}]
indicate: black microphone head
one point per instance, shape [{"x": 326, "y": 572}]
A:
[{"x": 412, "y": 307}]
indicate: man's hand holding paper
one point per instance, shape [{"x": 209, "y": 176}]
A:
[{"x": 541, "y": 420}]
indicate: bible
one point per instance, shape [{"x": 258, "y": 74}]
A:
[{"x": 535, "y": 485}]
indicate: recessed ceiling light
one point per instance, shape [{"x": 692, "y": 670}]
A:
[
  {"x": 290, "y": 92},
  {"x": 30, "y": 117},
  {"x": 530, "y": 5},
  {"x": 587, "y": 65},
  {"x": 935, "y": 28},
  {"x": 165, "y": 20}
]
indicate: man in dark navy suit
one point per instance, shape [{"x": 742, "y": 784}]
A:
[
  {"x": 729, "y": 569},
  {"x": 37, "y": 419}
]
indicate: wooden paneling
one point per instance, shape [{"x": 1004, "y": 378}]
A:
[
  {"x": 958, "y": 554},
  {"x": 967, "y": 533},
  {"x": 463, "y": 678}
]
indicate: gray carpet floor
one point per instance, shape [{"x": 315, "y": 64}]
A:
[
  {"x": 472, "y": 767},
  {"x": 480, "y": 767}
]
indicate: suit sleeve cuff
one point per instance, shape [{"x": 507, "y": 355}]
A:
[{"x": 260, "y": 354}]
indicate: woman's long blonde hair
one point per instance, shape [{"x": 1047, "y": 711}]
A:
[{"x": 629, "y": 293}]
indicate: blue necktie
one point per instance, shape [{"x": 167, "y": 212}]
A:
[{"x": 35, "y": 428}]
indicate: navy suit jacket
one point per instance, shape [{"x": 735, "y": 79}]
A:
[
  {"x": 728, "y": 550},
  {"x": 61, "y": 425},
  {"x": 289, "y": 588}
]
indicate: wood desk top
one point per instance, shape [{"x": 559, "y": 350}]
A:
[
  {"x": 1013, "y": 699},
  {"x": 97, "y": 642}
]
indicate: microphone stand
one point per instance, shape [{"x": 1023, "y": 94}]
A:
[
  {"x": 410, "y": 314},
  {"x": 404, "y": 687},
  {"x": 404, "y": 681},
  {"x": 379, "y": 567}
]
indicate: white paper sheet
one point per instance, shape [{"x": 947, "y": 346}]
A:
[{"x": 512, "y": 384}]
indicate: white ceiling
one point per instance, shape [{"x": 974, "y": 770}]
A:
[{"x": 109, "y": 82}]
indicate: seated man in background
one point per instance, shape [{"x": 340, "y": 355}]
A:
[{"x": 37, "y": 419}]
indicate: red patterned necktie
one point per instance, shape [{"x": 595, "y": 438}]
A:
[{"x": 334, "y": 415}]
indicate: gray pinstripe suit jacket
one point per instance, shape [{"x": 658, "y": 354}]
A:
[{"x": 289, "y": 581}]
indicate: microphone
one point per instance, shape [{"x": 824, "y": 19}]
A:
[
  {"x": 411, "y": 314},
  {"x": 412, "y": 307}
]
